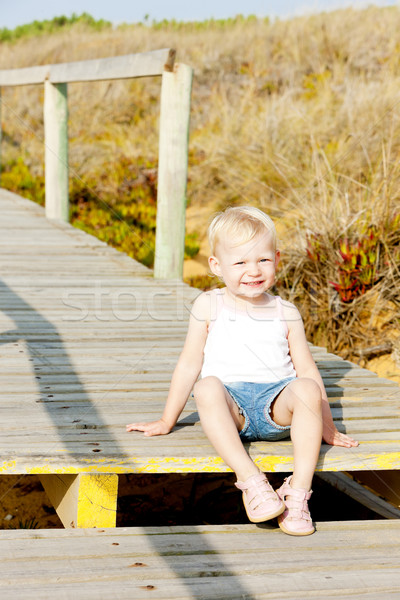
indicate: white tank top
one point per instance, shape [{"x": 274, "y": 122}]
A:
[{"x": 244, "y": 347}]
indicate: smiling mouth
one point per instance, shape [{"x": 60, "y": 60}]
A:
[{"x": 253, "y": 283}]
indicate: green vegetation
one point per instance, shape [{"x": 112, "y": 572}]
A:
[
  {"x": 17, "y": 178},
  {"x": 30, "y": 523},
  {"x": 348, "y": 284},
  {"x": 52, "y": 26},
  {"x": 216, "y": 24},
  {"x": 126, "y": 220}
]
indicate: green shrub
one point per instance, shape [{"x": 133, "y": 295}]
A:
[
  {"x": 346, "y": 286},
  {"x": 356, "y": 269},
  {"x": 125, "y": 218},
  {"x": 52, "y": 26},
  {"x": 17, "y": 178},
  {"x": 30, "y": 523}
]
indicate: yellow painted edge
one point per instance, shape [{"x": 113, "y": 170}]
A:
[
  {"x": 207, "y": 464},
  {"x": 387, "y": 461}
]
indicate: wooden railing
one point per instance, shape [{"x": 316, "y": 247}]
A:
[{"x": 173, "y": 138}]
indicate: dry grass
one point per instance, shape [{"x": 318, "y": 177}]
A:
[{"x": 299, "y": 117}]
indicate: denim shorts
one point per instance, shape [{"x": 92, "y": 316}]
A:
[{"x": 254, "y": 402}]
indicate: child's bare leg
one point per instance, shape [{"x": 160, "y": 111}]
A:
[
  {"x": 221, "y": 421},
  {"x": 299, "y": 405}
]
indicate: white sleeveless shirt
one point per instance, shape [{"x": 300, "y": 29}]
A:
[{"x": 248, "y": 347}]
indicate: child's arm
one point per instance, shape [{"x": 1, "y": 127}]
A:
[
  {"x": 185, "y": 374},
  {"x": 305, "y": 367}
]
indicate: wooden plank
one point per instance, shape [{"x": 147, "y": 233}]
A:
[
  {"x": 24, "y": 76},
  {"x": 345, "y": 483},
  {"x": 145, "y": 64},
  {"x": 386, "y": 483},
  {"x": 117, "y": 67},
  {"x": 113, "y": 456},
  {"x": 226, "y": 562}
]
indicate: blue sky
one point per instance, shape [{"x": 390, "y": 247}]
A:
[{"x": 18, "y": 12}]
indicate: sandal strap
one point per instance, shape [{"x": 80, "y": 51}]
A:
[
  {"x": 296, "y": 502},
  {"x": 257, "y": 490}
]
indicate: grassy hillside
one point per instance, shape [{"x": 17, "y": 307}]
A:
[{"x": 299, "y": 117}]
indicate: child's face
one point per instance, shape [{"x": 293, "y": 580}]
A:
[{"x": 248, "y": 270}]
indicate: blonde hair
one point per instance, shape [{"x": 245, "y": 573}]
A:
[{"x": 239, "y": 224}]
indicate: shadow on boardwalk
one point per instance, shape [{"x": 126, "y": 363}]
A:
[
  {"x": 36, "y": 338},
  {"x": 54, "y": 375}
]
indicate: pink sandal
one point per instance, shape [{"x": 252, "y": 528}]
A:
[
  {"x": 296, "y": 519},
  {"x": 259, "y": 499}
]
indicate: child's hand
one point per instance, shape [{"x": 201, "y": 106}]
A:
[
  {"x": 159, "y": 427},
  {"x": 333, "y": 437}
]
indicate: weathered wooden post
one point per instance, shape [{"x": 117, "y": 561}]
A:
[
  {"x": 83, "y": 499},
  {"x": 56, "y": 150},
  {"x": 172, "y": 171}
]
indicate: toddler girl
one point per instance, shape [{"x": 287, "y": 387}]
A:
[{"x": 258, "y": 378}]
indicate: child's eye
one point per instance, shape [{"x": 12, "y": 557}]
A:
[
  {"x": 265, "y": 259},
  {"x": 240, "y": 262}
]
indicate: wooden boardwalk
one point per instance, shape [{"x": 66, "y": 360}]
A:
[
  {"x": 350, "y": 560},
  {"x": 88, "y": 342}
]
